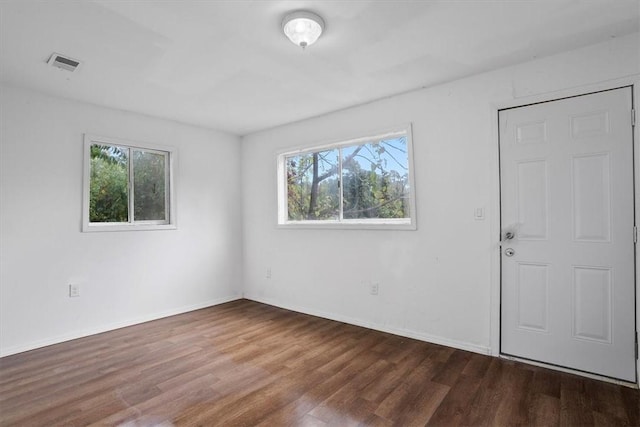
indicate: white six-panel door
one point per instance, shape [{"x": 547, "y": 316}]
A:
[{"x": 566, "y": 172}]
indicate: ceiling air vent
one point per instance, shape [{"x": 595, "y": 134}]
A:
[{"x": 63, "y": 62}]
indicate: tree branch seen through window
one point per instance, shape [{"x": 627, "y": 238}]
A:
[{"x": 365, "y": 181}]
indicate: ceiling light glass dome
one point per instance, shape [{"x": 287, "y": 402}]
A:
[{"x": 302, "y": 27}]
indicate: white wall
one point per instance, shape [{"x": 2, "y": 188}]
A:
[
  {"x": 124, "y": 277},
  {"x": 439, "y": 283}
]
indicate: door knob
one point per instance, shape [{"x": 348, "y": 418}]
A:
[{"x": 509, "y": 252}]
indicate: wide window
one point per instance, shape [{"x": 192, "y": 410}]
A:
[
  {"x": 361, "y": 183},
  {"x": 127, "y": 185}
]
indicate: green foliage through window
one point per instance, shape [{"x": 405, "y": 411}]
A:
[
  {"x": 149, "y": 185},
  {"x": 312, "y": 186},
  {"x": 114, "y": 170},
  {"x": 365, "y": 181},
  {"x": 109, "y": 195}
]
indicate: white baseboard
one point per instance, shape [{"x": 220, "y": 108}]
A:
[
  {"x": 112, "y": 326},
  {"x": 461, "y": 345}
]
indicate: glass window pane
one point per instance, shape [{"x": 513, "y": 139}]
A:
[
  {"x": 375, "y": 179},
  {"x": 149, "y": 172},
  {"x": 312, "y": 186},
  {"x": 108, "y": 193}
]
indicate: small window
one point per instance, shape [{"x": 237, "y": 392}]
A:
[
  {"x": 359, "y": 183},
  {"x": 127, "y": 186}
]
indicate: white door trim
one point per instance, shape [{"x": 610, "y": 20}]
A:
[{"x": 494, "y": 108}]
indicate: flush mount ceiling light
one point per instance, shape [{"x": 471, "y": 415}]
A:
[{"x": 302, "y": 27}]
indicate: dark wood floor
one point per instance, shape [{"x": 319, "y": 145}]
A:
[{"x": 245, "y": 364}]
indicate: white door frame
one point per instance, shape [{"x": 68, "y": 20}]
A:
[{"x": 633, "y": 81}]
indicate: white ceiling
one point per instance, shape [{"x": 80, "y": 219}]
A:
[{"x": 226, "y": 64}]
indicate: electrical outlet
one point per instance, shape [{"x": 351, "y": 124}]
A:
[
  {"x": 373, "y": 289},
  {"x": 268, "y": 273},
  {"x": 74, "y": 290}
]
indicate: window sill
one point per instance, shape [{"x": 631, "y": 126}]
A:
[
  {"x": 349, "y": 225},
  {"x": 89, "y": 228}
]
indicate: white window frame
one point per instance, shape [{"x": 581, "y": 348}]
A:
[
  {"x": 341, "y": 223},
  {"x": 170, "y": 154}
]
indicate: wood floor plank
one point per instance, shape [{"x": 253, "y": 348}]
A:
[
  {"x": 412, "y": 404},
  {"x": 544, "y": 410},
  {"x": 477, "y": 365},
  {"x": 345, "y": 404},
  {"x": 245, "y": 364},
  {"x": 452, "y": 368},
  {"x": 483, "y": 406},
  {"x": 574, "y": 402},
  {"x": 454, "y": 407},
  {"x": 300, "y": 410},
  {"x": 631, "y": 404},
  {"x": 606, "y": 399},
  {"x": 545, "y": 382},
  {"x": 513, "y": 407}
]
